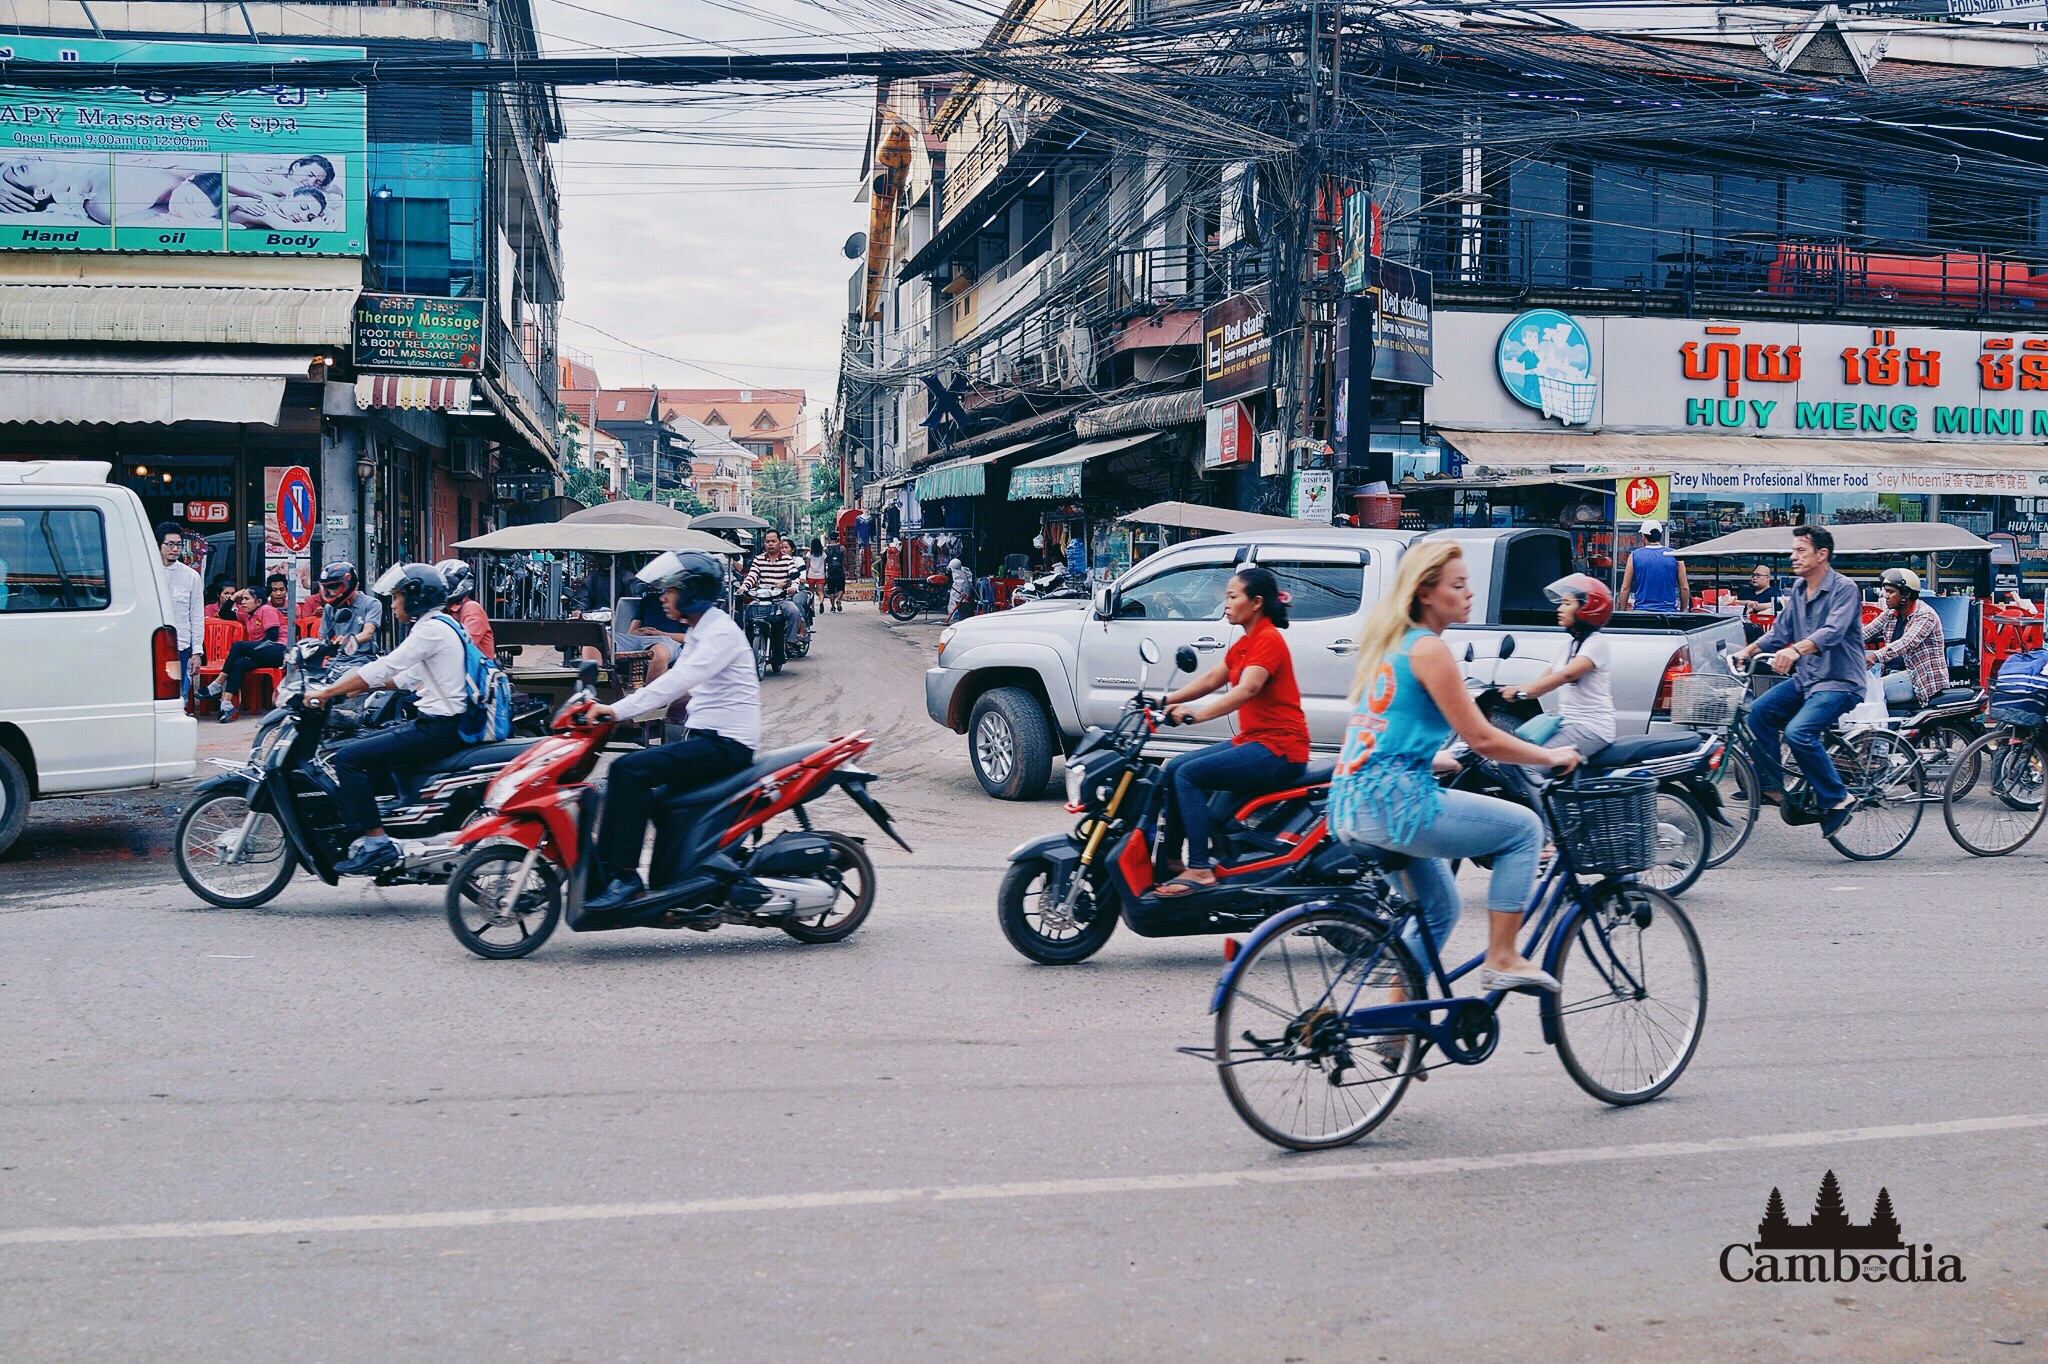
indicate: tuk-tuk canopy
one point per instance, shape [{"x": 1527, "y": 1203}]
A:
[{"x": 1896, "y": 538}]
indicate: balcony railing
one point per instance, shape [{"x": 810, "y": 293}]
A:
[
  {"x": 1689, "y": 270},
  {"x": 1165, "y": 277},
  {"x": 520, "y": 377}
]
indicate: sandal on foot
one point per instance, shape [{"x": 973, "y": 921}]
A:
[{"x": 1181, "y": 885}]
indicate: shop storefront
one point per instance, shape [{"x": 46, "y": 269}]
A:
[{"x": 1754, "y": 424}]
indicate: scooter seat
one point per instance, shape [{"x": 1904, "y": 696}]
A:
[
  {"x": 1953, "y": 697},
  {"x": 1317, "y": 774},
  {"x": 1642, "y": 748},
  {"x": 479, "y": 755},
  {"x": 764, "y": 763}
]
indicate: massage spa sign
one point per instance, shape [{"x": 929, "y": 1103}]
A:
[{"x": 1549, "y": 370}]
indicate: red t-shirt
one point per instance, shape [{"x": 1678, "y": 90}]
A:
[{"x": 1273, "y": 717}]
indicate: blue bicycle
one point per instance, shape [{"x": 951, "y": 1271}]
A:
[{"x": 1324, "y": 1016}]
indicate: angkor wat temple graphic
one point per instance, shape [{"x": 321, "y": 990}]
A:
[{"x": 1830, "y": 1228}]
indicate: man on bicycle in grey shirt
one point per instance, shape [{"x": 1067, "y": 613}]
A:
[{"x": 1818, "y": 639}]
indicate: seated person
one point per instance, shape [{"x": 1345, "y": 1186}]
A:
[
  {"x": 1585, "y": 669},
  {"x": 1271, "y": 746},
  {"x": 632, "y": 635},
  {"x": 1912, "y": 655},
  {"x": 262, "y": 646}
]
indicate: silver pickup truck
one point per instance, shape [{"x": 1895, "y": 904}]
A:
[{"x": 1023, "y": 684}]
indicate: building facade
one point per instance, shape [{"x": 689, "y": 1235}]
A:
[{"x": 208, "y": 289}]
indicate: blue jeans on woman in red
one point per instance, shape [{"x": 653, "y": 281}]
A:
[{"x": 1244, "y": 769}]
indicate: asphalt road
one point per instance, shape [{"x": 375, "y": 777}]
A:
[{"x": 322, "y": 1131}]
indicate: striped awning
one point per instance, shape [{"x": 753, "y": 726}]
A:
[
  {"x": 435, "y": 392},
  {"x": 964, "y": 477}
]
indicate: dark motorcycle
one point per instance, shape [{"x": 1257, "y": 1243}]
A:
[
  {"x": 1057, "y": 585},
  {"x": 534, "y": 852},
  {"x": 247, "y": 830},
  {"x": 1064, "y": 894},
  {"x": 1684, "y": 762},
  {"x": 768, "y": 635},
  {"x": 909, "y": 596}
]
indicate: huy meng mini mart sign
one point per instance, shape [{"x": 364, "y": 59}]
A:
[{"x": 1739, "y": 378}]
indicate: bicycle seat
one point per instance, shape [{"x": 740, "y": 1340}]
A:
[
  {"x": 1642, "y": 748},
  {"x": 478, "y": 755}
]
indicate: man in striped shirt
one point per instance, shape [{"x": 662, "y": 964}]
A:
[{"x": 774, "y": 578}]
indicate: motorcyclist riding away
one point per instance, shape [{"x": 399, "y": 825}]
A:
[
  {"x": 715, "y": 671},
  {"x": 773, "y": 579},
  {"x": 463, "y": 605},
  {"x": 432, "y": 663}
]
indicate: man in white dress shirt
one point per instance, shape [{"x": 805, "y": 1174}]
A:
[
  {"x": 715, "y": 670},
  {"x": 188, "y": 599},
  {"x": 433, "y": 664}
]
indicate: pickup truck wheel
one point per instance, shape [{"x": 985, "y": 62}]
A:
[
  {"x": 13, "y": 800},
  {"x": 1009, "y": 739}
]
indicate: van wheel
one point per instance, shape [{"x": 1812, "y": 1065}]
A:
[
  {"x": 13, "y": 800},
  {"x": 1009, "y": 740}
]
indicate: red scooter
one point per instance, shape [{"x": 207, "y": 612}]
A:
[{"x": 536, "y": 846}]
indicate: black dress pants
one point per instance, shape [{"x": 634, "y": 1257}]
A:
[
  {"x": 402, "y": 748},
  {"x": 697, "y": 760},
  {"x": 243, "y": 657}
]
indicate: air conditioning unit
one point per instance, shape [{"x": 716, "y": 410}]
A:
[
  {"x": 468, "y": 458},
  {"x": 1074, "y": 365},
  {"x": 1001, "y": 369}
]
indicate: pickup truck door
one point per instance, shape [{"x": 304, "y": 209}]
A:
[
  {"x": 1328, "y": 592},
  {"x": 1173, "y": 599}
]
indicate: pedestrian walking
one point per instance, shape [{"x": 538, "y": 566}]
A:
[{"x": 1653, "y": 580}]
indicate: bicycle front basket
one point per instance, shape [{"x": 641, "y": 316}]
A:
[
  {"x": 1608, "y": 823},
  {"x": 1706, "y": 700}
]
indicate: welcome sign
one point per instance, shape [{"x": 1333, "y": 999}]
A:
[{"x": 274, "y": 171}]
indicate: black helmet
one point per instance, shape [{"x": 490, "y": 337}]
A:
[
  {"x": 418, "y": 585},
  {"x": 338, "y": 580},
  {"x": 699, "y": 579},
  {"x": 461, "y": 582}
]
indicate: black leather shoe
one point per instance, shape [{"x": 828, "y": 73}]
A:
[
  {"x": 621, "y": 892},
  {"x": 1834, "y": 821},
  {"x": 368, "y": 856}
]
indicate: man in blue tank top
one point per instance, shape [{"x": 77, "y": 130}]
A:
[{"x": 1652, "y": 579}]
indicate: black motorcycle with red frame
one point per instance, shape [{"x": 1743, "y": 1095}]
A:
[
  {"x": 535, "y": 846},
  {"x": 1065, "y": 893}
]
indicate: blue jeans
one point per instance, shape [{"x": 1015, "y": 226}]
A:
[
  {"x": 1467, "y": 825},
  {"x": 1191, "y": 777},
  {"x": 1803, "y": 720}
]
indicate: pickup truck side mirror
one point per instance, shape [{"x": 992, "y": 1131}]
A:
[{"x": 1105, "y": 603}]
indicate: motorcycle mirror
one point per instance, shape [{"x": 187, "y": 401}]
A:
[
  {"x": 1184, "y": 658},
  {"x": 1507, "y": 646},
  {"x": 1470, "y": 653},
  {"x": 1148, "y": 651}
]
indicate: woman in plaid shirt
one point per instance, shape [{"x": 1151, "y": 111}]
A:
[{"x": 1911, "y": 654}]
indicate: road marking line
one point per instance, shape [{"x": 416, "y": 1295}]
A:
[{"x": 1051, "y": 1188}]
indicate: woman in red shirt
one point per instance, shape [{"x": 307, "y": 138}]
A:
[
  {"x": 262, "y": 646},
  {"x": 1271, "y": 747}
]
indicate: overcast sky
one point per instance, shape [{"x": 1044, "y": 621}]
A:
[{"x": 705, "y": 227}]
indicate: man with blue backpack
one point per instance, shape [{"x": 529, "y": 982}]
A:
[{"x": 460, "y": 697}]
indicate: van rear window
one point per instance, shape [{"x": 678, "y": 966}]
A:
[{"x": 52, "y": 559}]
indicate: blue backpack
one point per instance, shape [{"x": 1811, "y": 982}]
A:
[
  {"x": 489, "y": 717},
  {"x": 2019, "y": 694}
]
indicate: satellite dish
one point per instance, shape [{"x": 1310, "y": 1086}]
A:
[{"x": 856, "y": 246}]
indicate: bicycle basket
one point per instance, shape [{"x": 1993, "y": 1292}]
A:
[
  {"x": 1706, "y": 700},
  {"x": 1609, "y": 824}
]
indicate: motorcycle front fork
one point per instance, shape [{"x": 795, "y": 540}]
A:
[{"x": 1093, "y": 848}]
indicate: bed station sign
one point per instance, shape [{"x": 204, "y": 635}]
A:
[{"x": 1715, "y": 377}]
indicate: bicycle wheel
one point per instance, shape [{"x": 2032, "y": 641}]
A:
[
  {"x": 1633, "y": 996},
  {"x": 1741, "y": 803},
  {"x": 1289, "y": 1066},
  {"x": 2016, "y": 776},
  {"x": 1982, "y": 817},
  {"x": 1884, "y": 774}
]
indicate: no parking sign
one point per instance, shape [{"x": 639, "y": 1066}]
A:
[{"x": 295, "y": 509}]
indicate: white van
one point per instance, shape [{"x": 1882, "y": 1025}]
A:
[{"x": 89, "y": 686}]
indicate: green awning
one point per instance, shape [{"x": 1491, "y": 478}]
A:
[
  {"x": 1059, "y": 475},
  {"x": 964, "y": 477}
]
